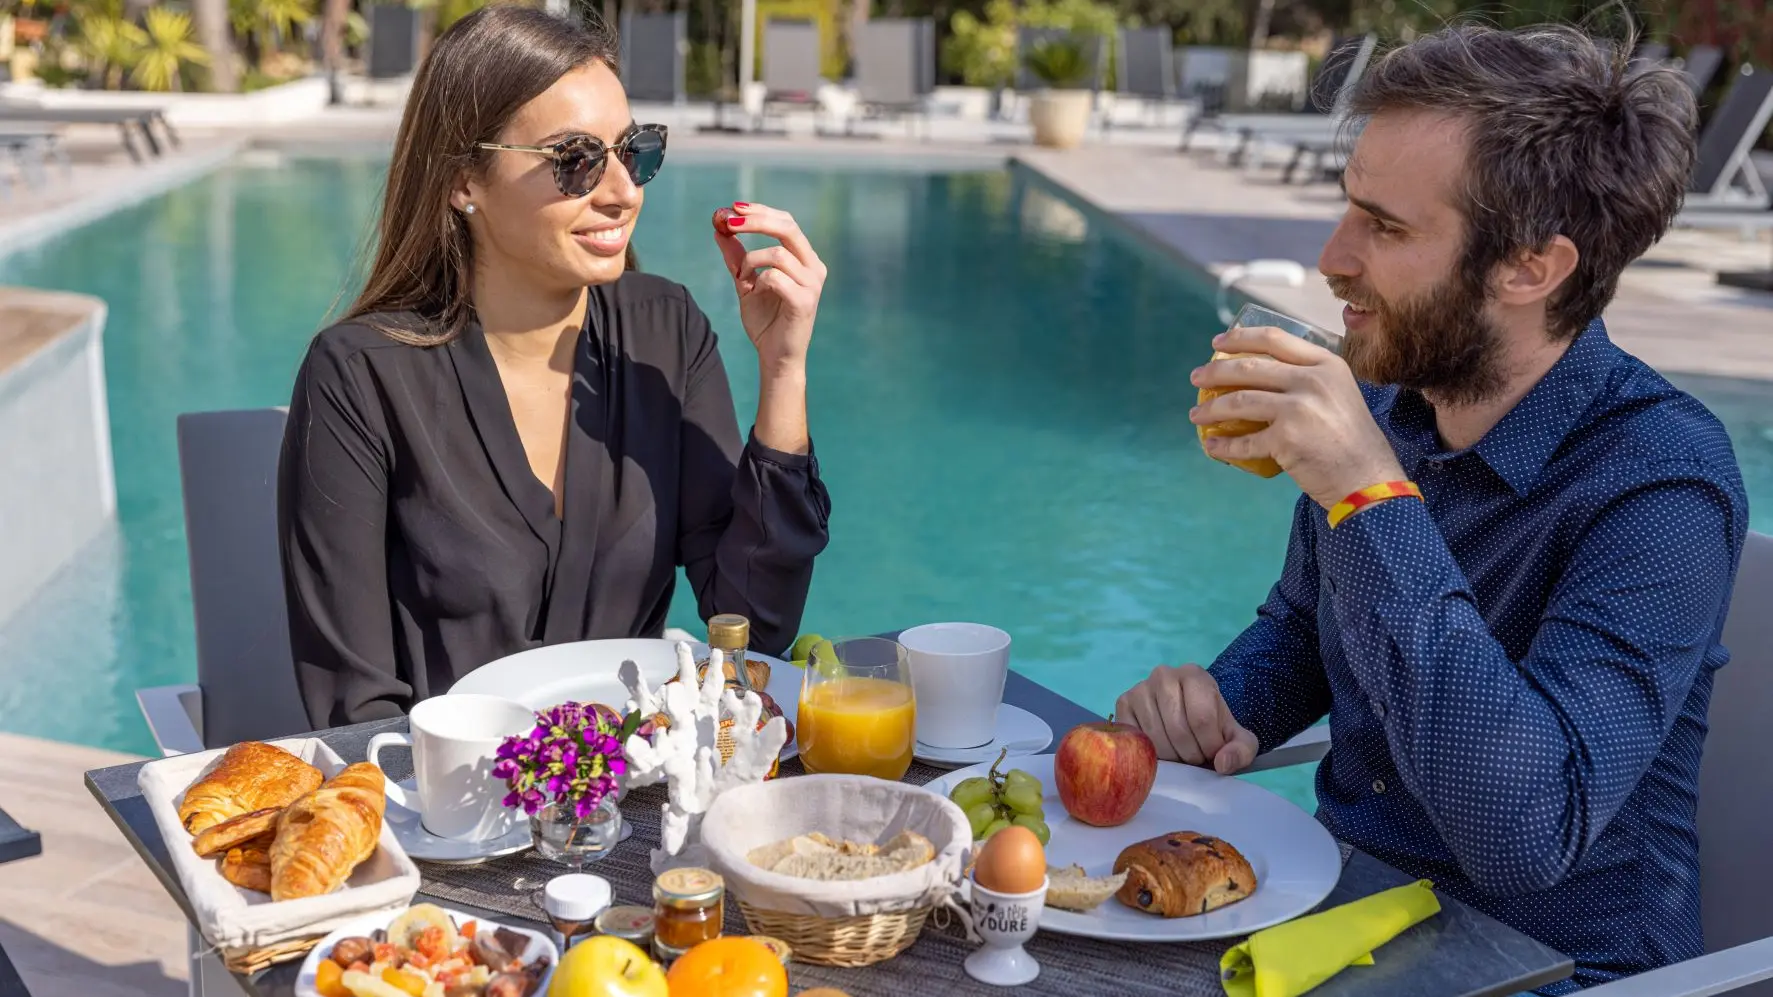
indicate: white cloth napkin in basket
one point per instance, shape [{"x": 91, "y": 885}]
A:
[{"x": 842, "y": 807}]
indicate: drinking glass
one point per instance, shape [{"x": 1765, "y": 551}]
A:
[
  {"x": 1253, "y": 316},
  {"x": 858, "y": 714}
]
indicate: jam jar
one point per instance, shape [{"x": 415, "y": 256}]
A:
[{"x": 689, "y": 905}]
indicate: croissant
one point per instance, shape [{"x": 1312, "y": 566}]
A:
[
  {"x": 1183, "y": 873},
  {"x": 229, "y": 834},
  {"x": 249, "y": 866},
  {"x": 325, "y": 835},
  {"x": 251, "y": 776}
]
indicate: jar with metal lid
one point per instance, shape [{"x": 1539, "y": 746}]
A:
[
  {"x": 634, "y": 924},
  {"x": 730, "y": 634},
  {"x": 775, "y": 945},
  {"x": 689, "y": 906}
]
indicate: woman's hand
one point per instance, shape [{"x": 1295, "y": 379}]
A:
[{"x": 778, "y": 286}]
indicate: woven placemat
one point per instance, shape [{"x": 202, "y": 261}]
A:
[{"x": 1069, "y": 965}]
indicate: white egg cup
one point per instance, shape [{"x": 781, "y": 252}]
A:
[{"x": 1005, "y": 921}]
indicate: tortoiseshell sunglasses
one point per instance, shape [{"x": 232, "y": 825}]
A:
[{"x": 579, "y": 161}]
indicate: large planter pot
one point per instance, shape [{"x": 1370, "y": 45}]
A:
[{"x": 1059, "y": 117}]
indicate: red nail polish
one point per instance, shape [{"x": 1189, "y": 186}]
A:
[
  {"x": 741, "y": 204},
  {"x": 734, "y": 222}
]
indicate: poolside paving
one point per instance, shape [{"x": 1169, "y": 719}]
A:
[{"x": 85, "y": 918}]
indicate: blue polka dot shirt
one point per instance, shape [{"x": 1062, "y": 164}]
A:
[{"x": 1516, "y": 670}]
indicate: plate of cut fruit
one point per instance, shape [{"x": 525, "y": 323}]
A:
[
  {"x": 1148, "y": 851},
  {"x": 428, "y": 951}
]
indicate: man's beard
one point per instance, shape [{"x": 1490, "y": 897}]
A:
[{"x": 1438, "y": 342}]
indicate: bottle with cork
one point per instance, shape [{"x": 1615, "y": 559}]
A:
[{"x": 730, "y": 634}]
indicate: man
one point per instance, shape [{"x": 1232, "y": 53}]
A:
[{"x": 1515, "y": 664}]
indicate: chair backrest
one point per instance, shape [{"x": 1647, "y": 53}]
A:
[
  {"x": 1725, "y": 142},
  {"x": 1649, "y": 54},
  {"x": 1344, "y": 64},
  {"x": 1700, "y": 65},
  {"x": 1735, "y": 780},
  {"x": 1145, "y": 67},
  {"x": 1095, "y": 52},
  {"x": 895, "y": 60},
  {"x": 228, "y": 469},
  {"x": 655, "y": 48},
  {"x": 791, "y": 57}
]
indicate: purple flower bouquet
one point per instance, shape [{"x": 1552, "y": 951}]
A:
[{"x": 573, "y": 756}]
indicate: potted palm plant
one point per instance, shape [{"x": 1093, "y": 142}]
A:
[{"x": 1060, "y": 112}]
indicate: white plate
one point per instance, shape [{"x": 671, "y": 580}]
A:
[
  {"x": 585, "y": 671},
  {"x": 1017, "y": 729},
  {"x": 1295, "y": 860},
  {"x": 424, "y": 846},
  {"x": 539, "y": 945}
]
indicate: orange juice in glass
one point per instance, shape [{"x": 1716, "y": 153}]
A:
[{"x": 857, "y": 712}]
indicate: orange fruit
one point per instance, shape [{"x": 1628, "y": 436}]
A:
[
  {"x": 1261, "y": 466},
  {"x": 732, "y": 966}
]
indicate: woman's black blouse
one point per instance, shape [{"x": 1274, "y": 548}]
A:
[{"x": 418, "y": 545}]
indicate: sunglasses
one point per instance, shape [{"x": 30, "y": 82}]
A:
[{"x": 579, "y": 161}]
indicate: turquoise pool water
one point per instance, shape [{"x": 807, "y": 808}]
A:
[{"x": 999, "y": 400}]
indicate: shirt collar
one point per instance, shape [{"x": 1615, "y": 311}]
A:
[{"x": 1519, "y": 446}]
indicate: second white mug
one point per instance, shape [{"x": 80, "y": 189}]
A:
[
  {"x": 455, "y": 741},
  {"x": 958, "y": 672}
]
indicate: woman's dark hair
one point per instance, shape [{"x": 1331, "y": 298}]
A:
[
  {"x": 477, "y": 75},
  {"x": 1566, "y": 138}
]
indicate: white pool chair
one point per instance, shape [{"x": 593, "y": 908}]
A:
[{"x": 1735, "y": 807}]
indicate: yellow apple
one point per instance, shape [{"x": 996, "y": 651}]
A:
[{"x": 606, "y": 966}]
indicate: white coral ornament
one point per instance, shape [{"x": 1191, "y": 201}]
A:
[{"x": 684, "y": 754}]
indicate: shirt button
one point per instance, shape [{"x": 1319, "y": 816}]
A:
[
  {"x": 1378, "y": 785},
  {"x": 1379, "y": 709}
]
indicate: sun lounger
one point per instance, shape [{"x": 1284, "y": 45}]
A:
[
  {"x": 1700, "y": 65},
  {"x": 1346, "y": 62},
  {"x": 654, "y": 47},
  {"x": 895, "y": 59},
  {"x": 128, "y": 121},
  {"x": 791, "y": 76}
]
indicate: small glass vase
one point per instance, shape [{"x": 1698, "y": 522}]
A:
[{"x": 560, "y": 837}]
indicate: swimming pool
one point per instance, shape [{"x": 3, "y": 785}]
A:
[{"x": 999, "y": 401}]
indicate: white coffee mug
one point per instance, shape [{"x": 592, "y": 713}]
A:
[
  {"x": 957, "y": 674},
  {"x": 455, "y": 741}
]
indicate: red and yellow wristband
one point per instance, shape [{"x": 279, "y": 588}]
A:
[{"x": 1372, "y": 495}]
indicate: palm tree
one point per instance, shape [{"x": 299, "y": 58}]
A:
[{"x": 211, "y": 17}]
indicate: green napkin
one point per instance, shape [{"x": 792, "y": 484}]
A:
[{"x": 1289, "y": 959}]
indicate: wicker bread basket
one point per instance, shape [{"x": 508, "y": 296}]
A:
[{"x": 836, "y": 923}]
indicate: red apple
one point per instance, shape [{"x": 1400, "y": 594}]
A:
[{"x": 1104, "y": 771}]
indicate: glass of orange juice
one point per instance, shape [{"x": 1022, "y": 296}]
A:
[
  {"x": 1250, "y": 317},
  {"x": 858, "y": 715}
]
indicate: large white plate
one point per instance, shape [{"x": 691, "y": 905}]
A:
[
  {"x": 539, "y": 945},
  {"x": 585, "y": 671},
  {"x": 1295, "y": 860}
]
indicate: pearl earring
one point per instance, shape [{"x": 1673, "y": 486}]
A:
[{"x": 470, "y": 208}]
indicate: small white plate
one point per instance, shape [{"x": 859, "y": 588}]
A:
[
  {"x": 1017, "y": 729},
  {"x": 540, "y": 945},
  {"x": 423, "y": 846},
  {"x": 1295, "y": 860}
]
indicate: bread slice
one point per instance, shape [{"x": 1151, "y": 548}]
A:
[
  {"x": 816, "y": 856},
  {"x": 1071, "y": 888}
]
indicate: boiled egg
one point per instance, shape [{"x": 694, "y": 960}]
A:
[{"x": 1011, "y": 862}]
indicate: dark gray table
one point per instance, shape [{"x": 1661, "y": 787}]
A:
[
  {"x": 1460, "y": 952},
  {"x": 17, "y": 842}
]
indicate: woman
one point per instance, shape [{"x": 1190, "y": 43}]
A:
[{"x": 513, "y": 439}]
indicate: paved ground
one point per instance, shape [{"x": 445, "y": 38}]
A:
[{"x": 85, "y": 918}]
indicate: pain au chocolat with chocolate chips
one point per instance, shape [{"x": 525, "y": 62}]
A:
[{"x": 1183, "y": 873}]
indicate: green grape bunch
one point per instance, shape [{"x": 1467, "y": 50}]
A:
[{"x": 993, "y": 802}]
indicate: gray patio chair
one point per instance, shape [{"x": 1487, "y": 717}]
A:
[
  {"x": 245, "y": 687},
  {"x": 1700, "y": 65},
  {"x": 129, "y": 121},
  {"x": 11, "y": 984},
  {"x": 1725, "y": 176},
  {"x": 1735, "y": 806},
  {"x": 1649, "y": 54},
  {"x": 895, "y": 61},
  {"x": 655, "y": 48},
  {"x": 16, "y": 842},
  {"x": 791, "y": 76}
]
